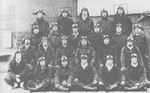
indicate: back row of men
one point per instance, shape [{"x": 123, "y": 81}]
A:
[{"x": 80, "y": 55}]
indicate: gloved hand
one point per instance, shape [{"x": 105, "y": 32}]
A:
[
  {"x": 123, "y": 69},
  {"x": 18, "y": 79},
  {"x": 94, "y": 82},
  {"x": 122, "y": 83},
  {"x": 64, "y": 83},
  {"x": 101, "y": 83}
]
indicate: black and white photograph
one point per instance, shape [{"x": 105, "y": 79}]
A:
[{"x": 74, "y": 46}]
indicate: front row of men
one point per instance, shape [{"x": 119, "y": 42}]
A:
[{"x": 83, "y": 76}]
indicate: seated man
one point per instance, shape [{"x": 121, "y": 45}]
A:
[
  {"x": 47, "y": 51},
  {"x": 109, "y": 75},
  {"x": 54, "y": 36},
  {"x": 96, "y": 37},
  {"x": 75, "y": 36},
  {"x": 66, "y": 50},
  {"x": 142, "y": 43},
  {"x": 107, "y": 47},
  {"x": 84, "y": 48},
  {"x": 64, "y": 75},
  {"x": 84, "y": 75},
  {"x": 36, "y": 36},
  {"x": 135, "y": 74},
  {"x": 126, "y": 52},
  {"x": 15, "y": 77},
  {"x": 27, "y": 50},
  {"x": 42, "y": 77}
]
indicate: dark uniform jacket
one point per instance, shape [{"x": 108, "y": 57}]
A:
[
  {"x": 74, "y": 40},
  {"x": 55, "y": 39},
  {"x": 66, "y": 25},
  {"x": 109, "y": 77},
  {"x": 43, "y": 27},
  {"x": 85, "y": 26},
  {"x": 135, "y": 75},
  {"x": 64, "y": 73},
  {"x": 105, "y": 50},
  {"x": 125, "y": 21},
  {"x": 35, "y": 39},
  {"x": 28, "y": 54},
  {"x": 106, "y": 25},
  {"x": 17, "y": 69},
  {"x": 141, "y": 42},
  {"x": 64, "y": 51},
  {"x": 49, "y": 54},
  {"x": 42, "y": 75},
  {"x": 120, "y": 41},
  {"x": 87, "y": 50},
  {"x": 96, "y": 40},
  {"x": 126, "y": 56},
  {"x": 85, "y": 76}
]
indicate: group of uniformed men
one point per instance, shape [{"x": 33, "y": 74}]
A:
[{"x": 78, "y": 55}]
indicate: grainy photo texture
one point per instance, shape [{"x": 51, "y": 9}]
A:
[{"x": 82, "y": 46}]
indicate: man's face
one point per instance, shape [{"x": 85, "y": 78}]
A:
[
  {"x": 106, "y": 41},
  {"x": 120, "y": 11},
  {"x": 27, "y": 41},
  {"x": 96, "y": 29},
  {"x": 36, "y": 31},
  {"x": 45, "y": 43},
  {"x": 84, "y": 13},
  {"x": 129, "y": 43},
  {"x": 64, "y": 42},
  {"x": 64, "y": 14},
  {"x": 118, "y": 30},
  {"x": 134, "y": 62},
  {"x": 104, "y": 14},
  {"x": 55, "y": 28},
  {"x": 84, "y": 42},
  {"x": 39, "y": 15},
  {"x": 109, "y": 63},
  {"x": 18, "y": 57},
  {"x": 64, "y": 63},
  {"x": 137, "y": 31},
  {"x": 84, "y": 62},
  {"x": 42, "y": 63},
  {"x": 75, "y": 30}
]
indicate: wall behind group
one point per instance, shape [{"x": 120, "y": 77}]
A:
[
  {"x": 52, "y": 9},
  {"x": 18, "y": 15}
]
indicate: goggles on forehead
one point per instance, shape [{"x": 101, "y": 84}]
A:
[
  {"x": 84, "y": 56},
  {"x": 109, "y": 57},
  {"x": 133, "y": 55},
  {"x": 64, "y": 58},
  {"x": 41, "y": 58}
]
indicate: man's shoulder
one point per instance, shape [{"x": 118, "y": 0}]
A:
[
  {"x": 89, "y": 19},
  {"x": 12, "y": 62},
  {"x": 44, "y": 20}
]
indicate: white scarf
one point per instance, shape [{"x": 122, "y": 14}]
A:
[
  {"x": 45, "y": 48},
  {"x": 84, "y": 17},
  {"x": 109, "y": 67},
  {"x": 84, "y": 66}
]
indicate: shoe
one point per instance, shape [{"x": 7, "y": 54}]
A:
[{"x": 16, "y": 85}]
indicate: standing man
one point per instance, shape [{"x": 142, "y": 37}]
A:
[
  {"x": 121, "y": 18},
  {"x": 42, "y": 23},
  {"x": 86, "y": 24},
  {"x": 65, "y": 22},
  {"x": 105, "y": 22}
]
